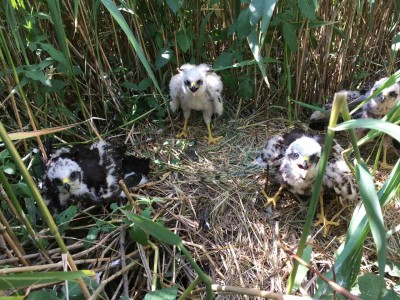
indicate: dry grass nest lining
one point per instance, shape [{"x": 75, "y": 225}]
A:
[
  {"x": 241, "y": 246},
  {"x": 240, "y": 249}
]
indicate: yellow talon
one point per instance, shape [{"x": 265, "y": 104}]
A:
[
  {"x": 384, "y": 164},
  {"x": 213, "y": 140},
  {"x": 325, "y": 223},
  {"x": 272, "y": 199},
  {"x": 210, "y": 138},
  {"x": 182, "y": 134},
  {"x": 323, "y": 220}
]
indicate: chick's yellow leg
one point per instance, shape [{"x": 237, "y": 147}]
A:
[
  {"x": 184, "y": 132},
  {"x": 210, "y": 138},
  {"x": 322, "y": 219},
  {"x": 272, "y": 199},
  {"x": 384, "y": 164}
]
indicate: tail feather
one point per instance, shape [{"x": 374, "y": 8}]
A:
[{"x": 135, "y": 170}]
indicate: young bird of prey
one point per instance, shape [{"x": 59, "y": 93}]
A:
[
  {"x": 294, "y": 158},
  {"x": 88, "y": 175},
  {"x": 375, "y": 108},
  {"x": 381, "y": 104},
  {"x": 198, "y": 88},
  {"x": 319, "y": 119}
]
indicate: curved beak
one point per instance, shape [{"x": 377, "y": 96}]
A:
[
  {"x": 306, "y": 163},
  {"x": 66, "y": 184},
  {"x": 193, "y": 87}
]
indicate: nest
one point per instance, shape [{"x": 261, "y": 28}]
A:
[{"x": 209, "y": 195}]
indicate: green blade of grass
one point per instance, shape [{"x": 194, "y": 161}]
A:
[
  {"x": 303, "y": 269},
  {"x": 336, "y": 109},
  {"x": 154, "y": 229},
  {"x": 55, "y": 11},
  {"x": 374, "y": 213},
  {"x": 245, "y": 63},
  {"x": 253, "y": 37},
  {"x": 113, "y": 9},
  {"x": 166, "y": 236},
  {"x": 10, "y": 9},
  {"x": 54, "y": 7},
  {"x": 269, "y": 7},
  {"x": 309, "y": 106},
  {"x": 347, "y": 263},
  {"x": 383, "y": 126},
  {"x": 255, "y": 49},
  {"x": 16, "y": 281},
  {"x": 391, "y": 80}
]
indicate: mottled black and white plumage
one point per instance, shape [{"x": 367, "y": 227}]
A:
[
  {"x": 382, "y": 103},
  {"x": 294, "y": 157},
  {"x": 197, "y": 88},
  {"x": 377, "y": 107},
  {"x": 90, "y": 174},
  {"x": 320, "y": 119}
]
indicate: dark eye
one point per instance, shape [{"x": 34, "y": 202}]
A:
[
  {"x": 187, "y": 82},
  {"x": 393, "y": 94},
  {"x": 314, "y": 159},
  {"x": 57, "y": 182},
  {"x": 74, "y": 175},
  {"x": 294, "y": 156},
  {"x": 199, "y": 82}
]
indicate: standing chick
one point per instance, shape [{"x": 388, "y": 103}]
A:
[{"x": 198, "y": 88}]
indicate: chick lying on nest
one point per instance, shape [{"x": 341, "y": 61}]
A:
[
  {"x": 294, "y": 159},
  {"x": 91, "y": 174}
]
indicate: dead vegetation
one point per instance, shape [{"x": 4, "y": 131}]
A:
[{"x": 208, "y": 195}]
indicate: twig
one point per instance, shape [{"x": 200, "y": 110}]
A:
[
  {"x": 127, "y": 194},
  {"x": 6, "y": 237},
  {"x": 123, "y": 260},
  {"x": 154, "y": 183},
  {"x": 250, "y": 292},
  {"x": 155, "y": 263},
  {"x": 30, "y": 268},
  {"x": 111, "y": 278},
  {"x": 331, "y": 283}
]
